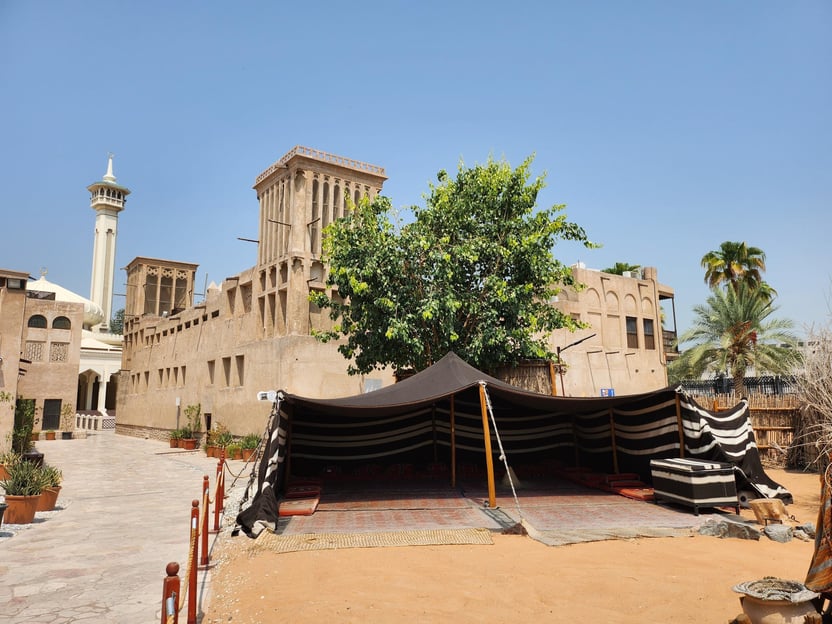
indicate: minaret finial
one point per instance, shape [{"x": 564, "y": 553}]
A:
[
  {"x": 43, "y": 272},
  {"x": 109, "y": 177}
]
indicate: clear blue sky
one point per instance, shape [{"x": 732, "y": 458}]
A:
[{"x": 666, "y": 127}]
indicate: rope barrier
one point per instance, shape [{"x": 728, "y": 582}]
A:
[{"x": 191, "y": 552}]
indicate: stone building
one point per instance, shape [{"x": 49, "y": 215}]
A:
[
  {"x": 40, "y": 352},
  {"x": 627, "y": 346},
  {"x": 55, "y": 345},
  {"x": 253, "y": 332}
]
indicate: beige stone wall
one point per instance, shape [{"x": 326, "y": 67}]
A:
[{"x": 12, "y": 308}]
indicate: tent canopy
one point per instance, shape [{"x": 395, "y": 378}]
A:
[{"x": 436, "y": 416}]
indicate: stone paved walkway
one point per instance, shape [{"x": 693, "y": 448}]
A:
[{"x": 123, "y": 514}]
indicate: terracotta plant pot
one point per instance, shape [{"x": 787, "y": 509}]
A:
[
  {"x": 21, "y": 509},
  {"x": 174, "y": 443},
  {"x": 48, "y": 498},
  {"x": 4, "y": 474},
  {"x": 211, "y": 451},
  {"x": 247, "y": 453},
  {"x": 50, "y": 435},
  {"x": 189, "y": 444}
]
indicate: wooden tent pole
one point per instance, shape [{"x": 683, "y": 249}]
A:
[
  {"x": 680, "y": 426},
  {"x": 489, "y": 460},
  {"x": 552, "y": 378},
  {"x": 453, "y": 444},
  {"x": 614, "y": 449}
]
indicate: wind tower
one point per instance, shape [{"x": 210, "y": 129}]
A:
[{"x": 107, "y": 199}]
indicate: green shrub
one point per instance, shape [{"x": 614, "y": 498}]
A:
[{"x": 25, "y": 479}]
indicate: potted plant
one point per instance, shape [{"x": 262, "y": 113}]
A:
[
  {"x": 23, "y": 434},
  {"x": 223, "y": 438},
  {"x": 234, "y": 451},
  {"x": 249, "y": 444},
  {"x": 23, "y": 487},
  {"x": 9, "y": 458},
  {"x": 50, "y": 434},
  {"x": 52, "y": 478},
  {"x": 192, "y": 413},
  {"x": 175, "y": 436},
  {"x": 67, "y": 421}
]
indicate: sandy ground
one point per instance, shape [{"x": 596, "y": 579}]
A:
[{"x": 517, "y": 579}]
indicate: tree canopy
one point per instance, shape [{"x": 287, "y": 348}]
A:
[
  {"x": 733, "y": 332},
  {"x": 619, "y": 268},
  {"x": 734, "y": 263},
  {"x": 472, "y": 273}
]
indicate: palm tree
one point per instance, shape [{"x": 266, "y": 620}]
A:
[
  {"x": 732, "y": 332},
  {"x": 620, "y": 267},
  {"x": 733, "y": 263}
]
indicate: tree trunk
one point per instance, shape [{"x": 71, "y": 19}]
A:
[{"x": 739, "y": 385}]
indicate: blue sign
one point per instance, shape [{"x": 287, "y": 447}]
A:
[{"x": 607, "y": 392}]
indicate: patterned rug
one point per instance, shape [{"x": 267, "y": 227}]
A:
[{"x": 268, "y": 541}]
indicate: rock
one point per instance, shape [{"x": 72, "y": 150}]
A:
[
  {"x": 801, "y": 535},
  {"x": 779, "y": 532},
  {"x": 728, "y": 527},
  {"x": 808, "y": 528}
]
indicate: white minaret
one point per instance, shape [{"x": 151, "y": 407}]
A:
[{"x": 107, "y": 199}]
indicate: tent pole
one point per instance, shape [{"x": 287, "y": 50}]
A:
[
  {"x": 614, "y": 449},
  {"x": 489, "y": 460},
  {"x": 680, "y": 426},
  {"x": 552, "y": 378},
  {"x": 453, "y": 444}
]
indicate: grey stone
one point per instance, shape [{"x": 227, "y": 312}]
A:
[
  {"x": 728, "y": 527},
  {"x": 779, "y": 532},
  {"x": 808, "y": 528},
  {"x": 801, "y": 535}
]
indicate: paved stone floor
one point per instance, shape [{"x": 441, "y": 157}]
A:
[{"x": 123, "y": 514}]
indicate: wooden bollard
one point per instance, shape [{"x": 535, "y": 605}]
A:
[
  {"x": 192, "y": 572},
  {"x": 203, "y": 560},
  {"x": 170, "y": 594}
]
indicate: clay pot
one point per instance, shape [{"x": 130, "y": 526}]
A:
[
  {"x": 189, "y": 444},
  {"x": 48, "y": 498},
  {"x": 21, "y": 509},
  {"x": 775, "y": 611}
]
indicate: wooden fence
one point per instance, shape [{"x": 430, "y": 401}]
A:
[{"x": 773, "y": 417}]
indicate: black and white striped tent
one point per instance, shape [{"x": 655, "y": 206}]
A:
[{"x": 455, "y": 415}]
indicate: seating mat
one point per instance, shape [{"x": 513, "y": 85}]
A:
[{"x": 298, "y": 506}]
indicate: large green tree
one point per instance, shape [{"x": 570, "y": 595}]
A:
[
  {"x": 734, "y": 263},
  {"x": 472, "y": 273},
  {"x": 732, "y": 332}
]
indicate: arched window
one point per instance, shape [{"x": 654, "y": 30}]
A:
[
  {"x": 61, "y": 322},
  {"x": 37, "y": 320}
]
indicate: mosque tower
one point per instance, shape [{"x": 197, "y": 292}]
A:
[{"x": 107, "y": 199}]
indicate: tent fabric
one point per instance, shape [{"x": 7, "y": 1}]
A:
[
  {"x": 410, "y": 422},
  {"x": 819, "y": 577}
]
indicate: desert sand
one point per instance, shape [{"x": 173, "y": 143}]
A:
[{"x": 517, "y": 579}]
